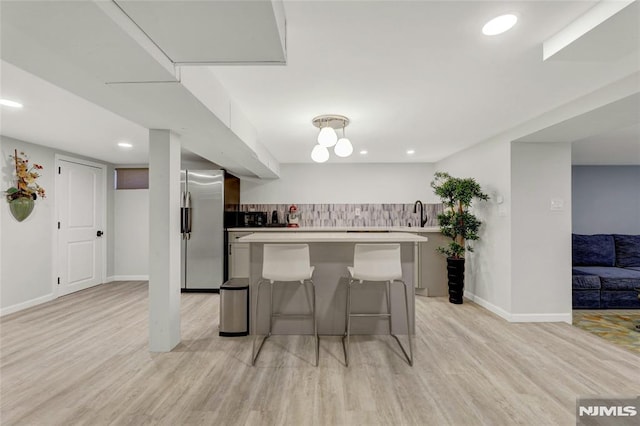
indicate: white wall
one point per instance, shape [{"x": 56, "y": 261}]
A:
[
  {"x": 540, "y": 235},
  {"x": 27, "y": 247},
  {"x": 27, "y": 269},
  {"x": 488, "y": 268},
  {"x": 131, "y": 227},
  {"x": 520, "y": 268},
  {"x": 110, "y": 224},
  {"x": 131, "y": 235},
  {"x": 342, "y": 183}
]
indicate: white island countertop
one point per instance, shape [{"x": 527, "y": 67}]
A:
[
  {"x": 411, "y": 229},
  {"x": 332, "y": 237}
]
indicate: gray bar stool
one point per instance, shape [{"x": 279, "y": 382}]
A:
[
  {"x": 288, "y": 264},
  {"x": 376, "y": 262}
]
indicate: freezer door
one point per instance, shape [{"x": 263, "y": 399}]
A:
[{"x": 205, "y": 242}]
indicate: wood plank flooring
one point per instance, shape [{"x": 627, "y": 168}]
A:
[{"x": 83, "y": 360}]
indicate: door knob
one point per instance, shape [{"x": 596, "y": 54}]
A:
[{"x": 99, "y": 233}]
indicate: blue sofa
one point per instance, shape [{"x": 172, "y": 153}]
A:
[{"x": 606, "y": 271}]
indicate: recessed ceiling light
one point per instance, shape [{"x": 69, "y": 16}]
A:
[
  {"x": 499, "y": 25},
  {"x": 125, "y": 145},
  {"x": 411, "y": 151},
  {"x": 364, "y": 152},
  {"x": 12, "y": 104}
]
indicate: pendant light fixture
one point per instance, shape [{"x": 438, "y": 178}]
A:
[
  {"x": 319, "y": 154},
  {"x": 343, "y": 146},
  {"x": 327, "y": 137}
]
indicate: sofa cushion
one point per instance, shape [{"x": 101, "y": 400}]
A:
[
  {"x": 585, "y": 299},
  {"x": 633, "y": 268},
  {"x": 593, "y": 250},
  {"x": 627, "y": 250},
  {"x": 585, "y": 282},
  {"x": 613, "y": 278},
  {"x": 619, "y": 300}
]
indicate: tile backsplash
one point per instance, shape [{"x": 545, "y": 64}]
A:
[{"x": 345, "y": 214}]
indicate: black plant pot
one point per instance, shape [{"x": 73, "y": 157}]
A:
[{"x": 455, "y": 274}]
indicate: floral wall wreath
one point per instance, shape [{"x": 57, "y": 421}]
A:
[{"x": 21, "y": 196}]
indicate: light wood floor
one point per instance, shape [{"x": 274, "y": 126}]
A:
[{"x": 83, "y": 359}]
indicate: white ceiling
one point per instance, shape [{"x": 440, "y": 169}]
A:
[
  {"x": 410, "y": 75},
  {"x": 616, "y": 147},
  {"x": 201, "y": 31},
  {"x": 54, "y": 117},
  {"x": 94, "y": 50}
]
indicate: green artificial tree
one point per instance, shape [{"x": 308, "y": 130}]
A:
[{"x": 457, "y": 223}]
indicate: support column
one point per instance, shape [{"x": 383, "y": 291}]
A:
[
  {"x": 164, "y": 241},
  {"x": 541, "y": 232}
]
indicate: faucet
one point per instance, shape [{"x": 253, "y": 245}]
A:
[{"x": 423, "y": 218}]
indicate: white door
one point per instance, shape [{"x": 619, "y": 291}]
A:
[{"x": 79, "y": 200}]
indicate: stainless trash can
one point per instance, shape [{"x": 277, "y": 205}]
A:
[{"x": 234, "y": 307}]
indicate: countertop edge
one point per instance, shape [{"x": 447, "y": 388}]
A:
[
  {"x": 410, "y": 229},
  {"x": 333, "y": 237}
]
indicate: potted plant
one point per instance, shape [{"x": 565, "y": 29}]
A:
[
  {"x": 22, "y": 196},
  {"x": 457, "y": 223}
]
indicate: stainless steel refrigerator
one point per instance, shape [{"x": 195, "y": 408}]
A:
[{"x": 202, "y": 216}]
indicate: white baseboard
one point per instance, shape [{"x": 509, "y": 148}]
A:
[
  {"x": 518, "y": 317},
  {"x": 487, "y": 305},
  {"x": 128, "y": 278},
  {"x": 49, "y": 297},
  {"x": 28, "y": 304},
  {"x": 541, "y": 318}
]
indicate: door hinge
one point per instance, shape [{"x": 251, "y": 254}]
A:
[
  {"x": 58, "y": 225},
  {"x": 58, "y": 280}
]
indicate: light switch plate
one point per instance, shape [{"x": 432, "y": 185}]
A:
[
  {"x": 358, "y": 211},
  {"x": 557, "y": 204}
]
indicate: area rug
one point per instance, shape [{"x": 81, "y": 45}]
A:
[{"x": 616, "y": 328}]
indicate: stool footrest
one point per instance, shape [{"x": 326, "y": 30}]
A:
[
  {"x": 370, "y": 315},
  {"x": 292, "y": 315},
  {"x": 348, "y": 315}
]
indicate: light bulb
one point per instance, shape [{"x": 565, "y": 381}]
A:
[
  {"x": 343, "y": 148},
  {"x": 499, "y": 25},
  {"x": 327, "y": 137},
  {"x": 319, "y": 154}
]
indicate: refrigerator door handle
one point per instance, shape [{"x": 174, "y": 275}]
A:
[
  {"x": 188, "y": 214},
  {"x": 182, "y": 215}
]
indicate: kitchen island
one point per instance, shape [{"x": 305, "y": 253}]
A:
[
  {"x": 331, "y": 253},
  {"x": 432, "y": 267}
]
